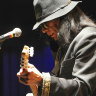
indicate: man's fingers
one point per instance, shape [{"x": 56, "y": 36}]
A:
[
  {"x": 30, "y": 65},
  {"x": 23, "y": 80}
]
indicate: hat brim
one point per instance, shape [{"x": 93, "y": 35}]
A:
[{"x": 57, "y": 14}]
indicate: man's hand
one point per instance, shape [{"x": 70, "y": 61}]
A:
[{"x": 30, "y": 76}]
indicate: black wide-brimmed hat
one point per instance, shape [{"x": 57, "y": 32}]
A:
[{"x": 46, "y": 10}]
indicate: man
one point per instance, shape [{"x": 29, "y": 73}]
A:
[{"x": 75, "y": 34}]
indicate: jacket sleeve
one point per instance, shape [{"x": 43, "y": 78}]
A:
[
  {"x": 85, "y": 62},
  {"x": 84, "y": 70}
]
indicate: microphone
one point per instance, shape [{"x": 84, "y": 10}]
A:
[{"x": 16, "y": 32}]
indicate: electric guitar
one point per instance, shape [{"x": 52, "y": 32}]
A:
[{"x": 26, "y": 52}]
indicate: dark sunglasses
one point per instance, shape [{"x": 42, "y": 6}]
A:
[{"x": 44, "y": 26}]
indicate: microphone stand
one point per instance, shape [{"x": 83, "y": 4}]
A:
[
  {"x": 1, "y": 41},
  {"x": 0, "y": 45}
]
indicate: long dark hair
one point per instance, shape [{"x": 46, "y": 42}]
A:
[{"x": 71, "y": 24}]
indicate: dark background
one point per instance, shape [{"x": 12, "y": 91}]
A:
[{"x": 20, "y": 13}]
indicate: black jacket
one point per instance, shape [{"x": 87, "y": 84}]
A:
[{"x": 77, "y": 74}]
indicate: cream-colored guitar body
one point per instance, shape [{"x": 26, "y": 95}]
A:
[{"x": 24, "y": 64}]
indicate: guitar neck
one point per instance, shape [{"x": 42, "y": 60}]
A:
[{"x": 24, "y": 64}]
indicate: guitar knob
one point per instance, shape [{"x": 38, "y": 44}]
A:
[{"x": 29, "y": 94}]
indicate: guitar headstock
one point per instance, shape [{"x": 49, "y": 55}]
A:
[{"x": 26, "y": 52}]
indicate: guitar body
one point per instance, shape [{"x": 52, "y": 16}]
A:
[{"x": 24, "y": 64}]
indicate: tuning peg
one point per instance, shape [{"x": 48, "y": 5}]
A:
[{"x": 31, "y": 51}]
